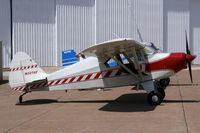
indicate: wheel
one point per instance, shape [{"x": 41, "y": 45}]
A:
[
  {"x": 154, "y": 98},
  {"x": 20, "y": 99},
  {"x": 164, "y": 82},
  {"x": 162, "y": 91}
]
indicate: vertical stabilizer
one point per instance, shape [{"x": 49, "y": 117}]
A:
[{"x": 24, "y": 70}]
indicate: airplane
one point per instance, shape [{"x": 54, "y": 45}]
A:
[{"x": 137, "y": 64}]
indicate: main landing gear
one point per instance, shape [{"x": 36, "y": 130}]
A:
[
  {"x": 155, "y": 90},
  {"x": 156, "y": 97}
]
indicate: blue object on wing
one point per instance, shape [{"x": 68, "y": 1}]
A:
[{"x": 69, "y": 57}]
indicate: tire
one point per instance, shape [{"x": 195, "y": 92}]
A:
[
  {"x": 164, "y": 82},
  {"x": 154, "y": 98},
  {"x": 162, "y": 91}
]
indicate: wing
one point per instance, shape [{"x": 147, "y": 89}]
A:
[
  {"x": 112, "y": 47},
  {"x": 115, "y": 47}
]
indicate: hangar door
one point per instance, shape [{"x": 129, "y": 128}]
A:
[
  {"x": 5, "y": 31},
  {"x": 75, "y": 23},
  {"x": 195, "y": 28},
  {"x": 34, "y": 30}
]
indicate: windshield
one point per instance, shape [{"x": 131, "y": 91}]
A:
[{"x": 148, "y": 50}]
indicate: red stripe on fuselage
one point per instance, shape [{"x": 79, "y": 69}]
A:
[
  {"x": 108, "y": 73},
  {"x": 64, "y": 81},
  {"x": 79, "y": 79},
  {"x": 119, "y": 72},
  {"x": 72, "y": 80},
  {"x": 88, "y": 77},
  {"x": 175, "y": 62},
  {"x": 97, "y": 76}
]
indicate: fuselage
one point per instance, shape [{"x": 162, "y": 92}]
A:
[{"x": 91, "y": 73}]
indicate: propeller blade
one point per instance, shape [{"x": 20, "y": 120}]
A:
[
  {"x": 189, "y": 62},
  {"x": 190, "y": 71},
  {"x": 187, "y": 48}
]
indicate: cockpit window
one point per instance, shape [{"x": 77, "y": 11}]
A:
[
  {"x": 112, "y": 63},
  {"x": 129, "y": 63},
  {"x": 148, "y": 50}
]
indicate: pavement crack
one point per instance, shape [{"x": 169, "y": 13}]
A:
[
  {"x": 182, "y": 104},
  {"x": 22, "y": 123}
]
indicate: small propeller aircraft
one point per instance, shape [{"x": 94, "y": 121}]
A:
[{"x": 138, "y": 64}]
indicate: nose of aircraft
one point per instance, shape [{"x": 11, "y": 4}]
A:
[{"x": 189, "y": 57}]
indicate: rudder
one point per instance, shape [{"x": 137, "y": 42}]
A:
[{"x": 24, "y": 70}]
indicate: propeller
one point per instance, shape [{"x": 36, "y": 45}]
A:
[{"x": 188, "y": 60}]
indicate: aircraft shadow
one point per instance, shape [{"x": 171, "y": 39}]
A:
[
  {"x": 135, "y": 102},
  {"x": 3, "y": 82},
  {"x": 125, "y": 103},
  {"x": 37, "y": 102}
]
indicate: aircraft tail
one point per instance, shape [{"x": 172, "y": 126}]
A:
[{"x": 24, "y": 71}]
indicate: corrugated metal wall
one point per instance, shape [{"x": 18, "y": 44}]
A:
[
  {"x": 5, "y": 31},
  {"x": 43, "y": 28},
  {"x": 112, "y": 20},
  {"x": 195, "y": 28},
  {"x": 34, "y": 30},
  {"x": 130, "y": 18},
  {"x": 75, "y": 23},
  {"x": 148, "y": 21},
  {"x": 176, "y": 21}
]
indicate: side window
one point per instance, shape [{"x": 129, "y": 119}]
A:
[
  {"x": 140, "y": 55},
  {"x": 112, "y": 63},
  {"x": 124, "y": 60}
]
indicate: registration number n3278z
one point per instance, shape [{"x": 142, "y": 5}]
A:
[{"x": 32, "y": 72}]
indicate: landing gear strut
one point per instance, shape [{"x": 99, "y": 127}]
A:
[
  {"x": 164, "y": 82},
  {"x": 21, "y": 97},
  {"x": 162, "y": 91},
  {"x": 156, "y": 93}
]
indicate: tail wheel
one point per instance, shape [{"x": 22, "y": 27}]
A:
[
  {"x": 21, "y": 96},
  {"x": 162, "y": 91},
  {"x": 20, "y": 99},
  {"x": 155, "y": 98}
]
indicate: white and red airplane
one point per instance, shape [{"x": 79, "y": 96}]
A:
[{"x": 136, "y": 64}]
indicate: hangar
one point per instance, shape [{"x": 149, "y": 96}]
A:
[{"x": 44, "y": 28}]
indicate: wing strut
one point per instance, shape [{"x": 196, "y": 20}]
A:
[
  {"x": 145, "y": 60},
  {"x": 137, "y": 64},
  {"x": 122, "y": 65},
  {"x": 129, "y": 60}
]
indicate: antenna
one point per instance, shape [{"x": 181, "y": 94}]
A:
[
  {"x": 139, "y": 34},
  {"x": 137, "y": 27}
]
